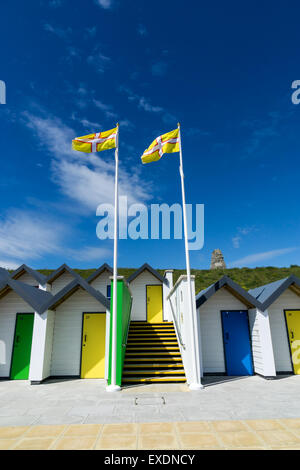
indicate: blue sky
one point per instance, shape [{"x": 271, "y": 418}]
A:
[{"x": 223, "y": 69}]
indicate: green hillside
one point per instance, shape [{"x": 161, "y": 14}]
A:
[{"x": 246, "y": 277}]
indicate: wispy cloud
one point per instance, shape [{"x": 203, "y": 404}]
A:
[
  {"x": 98, "y": 60},
  {"x": 159, "y": 69},
  {"x": 106, "y": 4},
  {"x": 60, "y": 32},
  {"x": 241, "y": 233},
  {"x": 142, "y": 102},
  {"x": 142, "y": 30},
  {"x": 251, "y": 260},
  {"x": 106, "y": 108},
  {"x": 88, "y": 182},
  {"x": 55, "y": 3},
  {"x": 26, "y": 235}
]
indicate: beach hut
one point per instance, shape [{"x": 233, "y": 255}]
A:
[
  {"x": 29, "y": 276},
  {"x": 60, "y": 278},
  {"x": 149, "y": 290},
  {"x": 279, "y": 306},
  {"x": 100, "y": 279},
  {"x": 225, "y": 333},
  {"x": 19, "y": 303},
  {"x": 70, "y": 338}
]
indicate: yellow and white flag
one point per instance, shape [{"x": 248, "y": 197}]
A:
[
  {"x": 167, "y": 143},
  {"x": 96, "y": 142}
]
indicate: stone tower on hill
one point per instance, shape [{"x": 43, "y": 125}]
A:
[{"x": 217, "y": 260}]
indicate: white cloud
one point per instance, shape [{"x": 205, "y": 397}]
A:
[
  {"x": 106, "y": 4},
  {"x": 87, "y": 179},
  {"x": 236, "y": 241},
  {"x": 90, "y": 253},
  {"x": 9, "y": 264},
  {"x": 29, "y": 235},
  {"x": 258, "y": 257}
]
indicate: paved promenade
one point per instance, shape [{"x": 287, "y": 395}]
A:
[{"x": 229, "y": 413}]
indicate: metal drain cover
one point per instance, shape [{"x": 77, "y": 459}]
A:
[{"x": 150, "y": 401}]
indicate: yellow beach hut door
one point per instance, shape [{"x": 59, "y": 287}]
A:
[
  {"x": 154, "y": 304},
  {"x": 93, "y": 346},
  {"x": 293, "y": 325}
]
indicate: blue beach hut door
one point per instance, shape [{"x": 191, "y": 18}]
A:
[{"x": 237, "y": 346}]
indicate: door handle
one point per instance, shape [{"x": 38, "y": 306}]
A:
[
  {"x": 17, "y": 339},
  {"x": 292, "y": 335},
  {"x": 85, "y": 336},
  {"x": 227, "y": 336}
]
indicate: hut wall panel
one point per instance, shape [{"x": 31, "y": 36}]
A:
[
  {"x": 287, "y": 300},
  {"x": 66, "y": 350}
]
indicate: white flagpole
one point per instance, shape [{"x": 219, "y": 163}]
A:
[
  {"x": 196, "y": 385},
  {"x": 114, "y": 387}
]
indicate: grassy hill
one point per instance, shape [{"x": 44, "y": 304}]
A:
[{"x": 246, "y": 277}]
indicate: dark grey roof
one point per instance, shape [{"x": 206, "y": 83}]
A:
[
  {"x": 40, "y": 278},
  {"x": 268, "y": 293},
  {"x": 70, "y": 288},
  {"x": 4, "y": 274},
  {"x": 148, "y": 268},
  {"x": 58, "y": 272},
  {"x": 99, "y": 271},
  {"x": 232, "y": 286},
  {"x": 36, "y": 298}
]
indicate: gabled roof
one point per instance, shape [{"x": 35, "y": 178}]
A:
[
  {"x": 40, "y": 278},
  {"x": 70, "y": 288},
  {"x": 61, "y": 270},
  {"x": 268, "y": 293},
  {"x": 234, "y": 288},
  {"x": 98, "y": 272},
  {"x": 36, "y": 298},
  {"x": 148, "y": 268}
]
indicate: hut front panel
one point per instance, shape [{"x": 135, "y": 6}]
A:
[
  {"x": 101, "y": 282},
  {"x": 211, "y": 329},
  {"x": 10, "y": 305},
  {"x": 61, "y": 282},
  {"x": 287, "y": 300},
  {"x": 67, "y": 335},
  {"x": 27, "y": 279},
  {"x": 138, "y": 289}
]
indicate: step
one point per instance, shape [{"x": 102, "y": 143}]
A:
[
  {"x": 151, "y": 324},
  {"x": 146, "y": 359},
  {"x": 158, "y": 365},
  {"x": 137, "y": 380},
  {"x": 154, "y": 372},
  {"x": 153, "y": 349}
]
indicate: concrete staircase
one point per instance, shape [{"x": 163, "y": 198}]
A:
[{"x": 152, "y": 354}]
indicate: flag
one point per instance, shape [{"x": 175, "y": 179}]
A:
[
  {"x": 96, "y": 142},
  {"x": 167, "y": 143}
]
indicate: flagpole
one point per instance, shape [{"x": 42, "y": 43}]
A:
[
  {"x": 113, "y": 387},
  {"x": 196, "y": 385}
]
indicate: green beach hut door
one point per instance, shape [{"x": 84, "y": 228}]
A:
[{"x": 22, "y": 347}]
